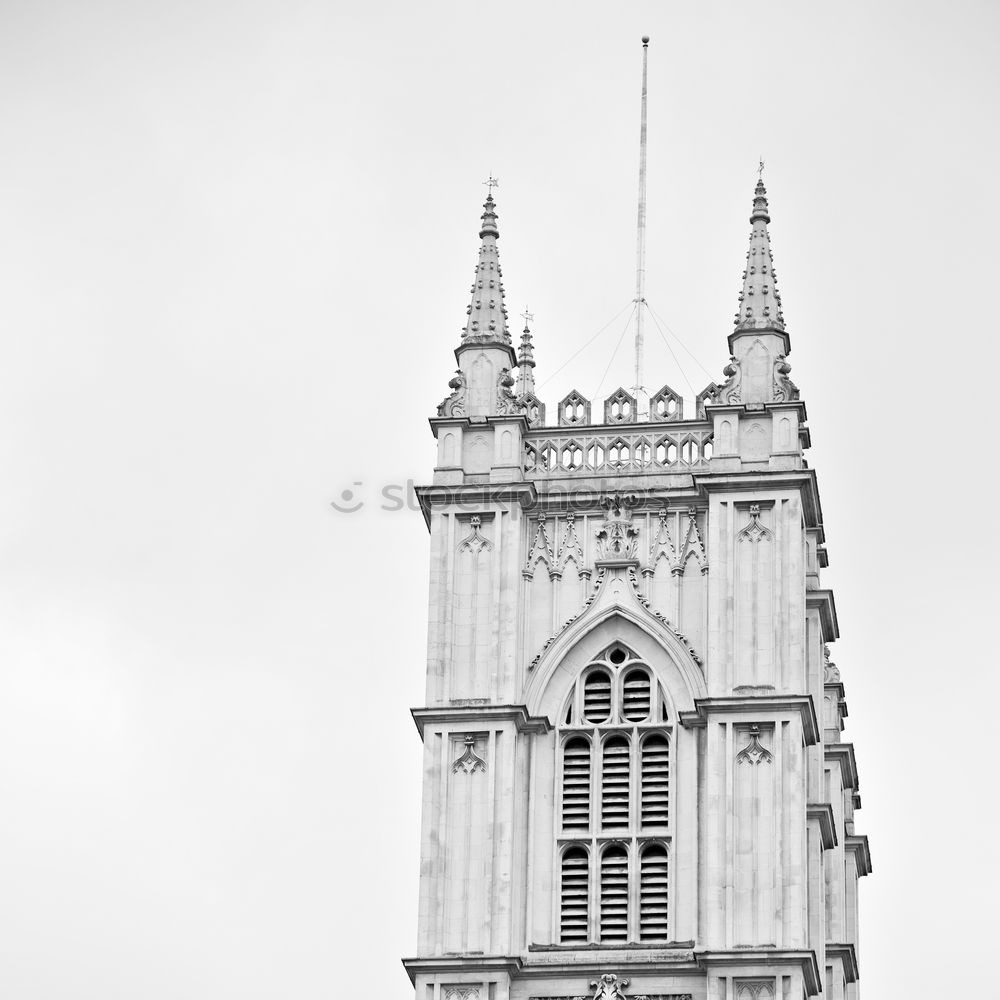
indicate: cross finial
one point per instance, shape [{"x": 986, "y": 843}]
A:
[
  {"x": 491, "y": 183},
  {"x": 528, "y": 316},
  {"x": 760, "y": 169}
]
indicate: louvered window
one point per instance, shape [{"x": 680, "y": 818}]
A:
[
  {"x": 614, "y": 834},
  {"x": 597, "y": 697},
  {"x": 614, "y": 895},
  {"x": 635, "y": 695},
  {"x": 653, "y": 893},
  {"x": 576, "y": 784},
  {"x": 615, "y": 782},
  {"x": 655, "y": 783},
  {"x": 575, "y": 909}
]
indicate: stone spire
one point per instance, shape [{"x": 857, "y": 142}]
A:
[
  {"x": 487, "y": 323},
  {"x": 760, "y": 303},
  {"x": 526, "y": 360}
]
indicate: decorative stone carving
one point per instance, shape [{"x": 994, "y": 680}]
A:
[
  {"x": 540, "y": 549},
  {"x": 661, "y": 545},
  {"x": 707, "y": 396},
  {"x": 694, "y": 547},
  {"x": 754, "y": 752},
  {"x": 460, "y": 992},
  {"x": 731, "y": 391},
  {"x": 609, "y": 987},
  {"x": 650, "y": 996},
  {"x": 533, "y": 408},
  {"x": 475, "y": 541},
  {"x": 762, "y": 990},
  {"x": 755, "y": 530},
  {"x": 574, "y": 409},
  {"x": 620, "y": 408},
  {"x": 507, "y": 405},
  {"x": 570, "y": 547},
  {"x": 470, "y": 761},
  {"x": 618, "y": 538},
  {"x": 785, "y": 389},
  {"x": 454, "y": 405},
  {"x": 666, "y": 405},
  {"x": 831, "y": 675}
]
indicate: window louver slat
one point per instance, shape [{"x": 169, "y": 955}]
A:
[
  {"x": 636, "y": 696},
  {"x": 655, "y": 781},
  {"x": 575, "y": 899},
  {"x": 597, "y": 697},
  {"x": 615, "y": 783},
  {"x": 653, "y": 878},
  {"x": 576, "y": 784},
  {"x": 614, "y": 895}
]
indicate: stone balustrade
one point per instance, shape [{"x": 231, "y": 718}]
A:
[{"x": 614, "y": 450}]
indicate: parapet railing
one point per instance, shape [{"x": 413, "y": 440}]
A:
[{"x": 590, "y": 451}]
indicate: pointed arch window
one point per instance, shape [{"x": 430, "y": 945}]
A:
[{"x": 614, "y": 808}]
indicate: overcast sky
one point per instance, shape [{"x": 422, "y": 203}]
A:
[{"x": 235, "y": 249}]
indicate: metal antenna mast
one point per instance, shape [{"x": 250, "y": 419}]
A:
[{"x": 640, "y": 241}]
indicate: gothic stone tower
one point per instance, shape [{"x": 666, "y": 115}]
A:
[{"x": 634, "y": 777}]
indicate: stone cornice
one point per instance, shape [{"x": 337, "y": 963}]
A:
[
  {"x": 857, "y": 844},
  {"x": 590, "y": 959},
  {"x": 475, "y": 498},
  {"x": 477, "y": 715},
  {"x": 843, "y": 753},
  {"x": 466, "y": 423},
  {"x": 757, "y": 706},
  {"x": 755, "y": 957},
  {"x": 509, "y": 964},
  {"x": 822, "y": 600},
  {"x": 848, "y": 958},
  {"x": 823, "y": 812},
  {"x": 803, "y": 480}
]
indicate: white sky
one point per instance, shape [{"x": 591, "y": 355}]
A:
[{"x": 236, "y": 241}]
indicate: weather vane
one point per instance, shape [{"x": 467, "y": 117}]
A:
[
  {"x": 528, "y": 316},
  {"x": 491, "y": 183},
  {"x": 760, "y": 169}
]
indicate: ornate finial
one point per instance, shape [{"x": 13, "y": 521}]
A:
[
  {"x": 491, "y": 182},
  {"x": 760, "y": 169},
  {"x": 528, "y": 318}
]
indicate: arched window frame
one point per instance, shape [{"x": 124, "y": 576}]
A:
[{"x": 634, "y": 836}]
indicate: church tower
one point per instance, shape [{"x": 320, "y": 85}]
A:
[{"x": 634, "y": 781}]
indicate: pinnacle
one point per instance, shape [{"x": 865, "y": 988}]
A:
[
  {"x": 487, "y": 314},
  {"x": 526, "y": 361},
  {"x": 759, "y": 301}
]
